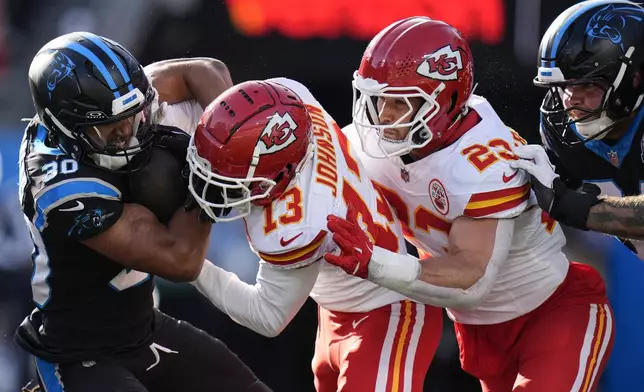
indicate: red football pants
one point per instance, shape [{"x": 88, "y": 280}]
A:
[
  {"x": 387, "y": 349},
  {"x": 561, "y": 346}
]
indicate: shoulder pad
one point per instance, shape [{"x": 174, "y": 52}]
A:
[{"x": 482, "y": 180}]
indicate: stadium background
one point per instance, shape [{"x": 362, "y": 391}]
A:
[{"x": 319, "y": 43}]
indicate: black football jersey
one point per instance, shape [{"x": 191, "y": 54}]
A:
[{"x": 88, "y": 301}]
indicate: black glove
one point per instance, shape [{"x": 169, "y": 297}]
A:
[
  {"x": 213, "y": 195},
  {"x": 563, "y": 204},
  {"x": 566, "y": 205},
  {"x": 174, "y": 140}
]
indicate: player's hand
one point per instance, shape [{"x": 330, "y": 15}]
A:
[
  {"x": 175, "y": 141},
  {"x": 563, "y": 204},
  {"x": 354, "y": 244},
  {"x": 192, "y": 204},
  {"x": 214, "y": 194},
  {"x": 534, "y": 160}
]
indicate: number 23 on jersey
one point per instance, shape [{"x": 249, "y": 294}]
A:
[{"x": 484, "y": 156}]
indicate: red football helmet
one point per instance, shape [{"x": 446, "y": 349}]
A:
[
  {"x": 414, "y": 57},
  {"x": 250, "y": 142}
]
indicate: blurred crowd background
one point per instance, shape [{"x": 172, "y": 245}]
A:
[{"x": 319, "y": 43}]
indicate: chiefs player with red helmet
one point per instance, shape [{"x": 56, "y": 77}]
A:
[
  {"x": 284, "y": 165},
  {"x": 526, "y": 318}
]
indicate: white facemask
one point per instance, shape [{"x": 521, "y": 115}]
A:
[
  {"x": 591, "y": 128},
  {"x": 115, "y": 162}
]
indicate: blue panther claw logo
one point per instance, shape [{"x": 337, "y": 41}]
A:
[
  {"x": 608, "y": 23},
  {"x": 62, "y": 66}
]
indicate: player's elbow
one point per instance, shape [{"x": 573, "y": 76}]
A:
[
  {"x": 185, "y": 275},
  {"x": 472, "y": 299},
  {"x": 184, "y": 270},
  {"x": 270, "y": 331},
  {"x": 273, "y": 320},
  {"x": 216, "y": 64},
  {"x": 470, "y": 277},
  {"x": 182, "y": 265},
  {"x": 218, "y": 67}
]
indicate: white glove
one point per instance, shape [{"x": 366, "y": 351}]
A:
[{"x": 534, "y": 160}]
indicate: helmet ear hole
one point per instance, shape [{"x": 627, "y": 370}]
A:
[{"x": 452, "y": 102}]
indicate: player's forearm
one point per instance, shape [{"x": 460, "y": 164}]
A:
[
  {"x": 450, "y": 271},
  {"x": 201, "y": 79},
  {"x": 191, "y": 238},
  {"x": 415, "y": 279},
  {"x": 623, "y": 217},
  {"x": 266, "y": 307}
]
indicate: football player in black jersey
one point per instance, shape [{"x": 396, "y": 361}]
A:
[
  {"x": 96, "y": 249},
  {"x": 591, "y": 60}
]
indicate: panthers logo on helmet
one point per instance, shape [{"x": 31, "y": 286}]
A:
[
  {"x": 278, "y": 134},
  {"x": 608, "y": 23},
  {"x": 443, "y": 64},
  {"x": 62, "y": 66}
]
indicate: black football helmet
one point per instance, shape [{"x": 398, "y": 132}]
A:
[
  {"x": 596, "y": 42},
  {"x": 79, "y": 81}
]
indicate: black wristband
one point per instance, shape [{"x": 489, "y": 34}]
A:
[{"x": 571, "y": 207}]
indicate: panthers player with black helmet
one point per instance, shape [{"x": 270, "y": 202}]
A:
[
  {"x": 591, "y": 59},
  {"x": 96, "y": 247}
]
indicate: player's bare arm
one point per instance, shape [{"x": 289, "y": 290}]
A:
[
  {"x": 139, "y": 241},
  {"x": 177, "y": 80},
  {"x": 470, "y": 247},
  {"x": 462, "y": 278},
  {"x": 620, "y": 216},
  {"x": 582, "y": 209}
]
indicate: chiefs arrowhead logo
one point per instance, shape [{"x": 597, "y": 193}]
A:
[
  {"x": 443, "y": 64},
  {"x": 278, "y": 134},
  {"x": 438, "y": 196}
]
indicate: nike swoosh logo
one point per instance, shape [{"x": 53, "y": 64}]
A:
[
  {"x": 509, "y": 178},
  {"x": 355, "y": 323},
  {"x": 78, "y": 207},
  {"x": 285, "y": 243}
]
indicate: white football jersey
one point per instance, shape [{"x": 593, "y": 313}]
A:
[
  {"x": 292, "y": 232},
  {"x": 471, "y": 177}
]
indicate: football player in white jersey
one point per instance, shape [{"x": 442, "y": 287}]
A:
[
  {"x": 526, "y": 318},
  {"x": 285, "y": 165}
]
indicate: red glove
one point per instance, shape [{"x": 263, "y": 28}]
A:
[{"x": 355, "y": 246}]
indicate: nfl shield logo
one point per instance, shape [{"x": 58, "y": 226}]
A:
[{"x": 404, "y": 174}]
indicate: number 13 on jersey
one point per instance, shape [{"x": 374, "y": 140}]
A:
[{"x": 381, "y": 234}]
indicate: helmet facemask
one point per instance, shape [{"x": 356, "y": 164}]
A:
[
  {"x": 116, "y": 154},
  {"x": 366, "y": 117},
  {"x": 593, "y": 124},
  {"x": 214, "y": 191},
  {"x": 618, "y": 102},
  {"x": 92, "y": 144}
]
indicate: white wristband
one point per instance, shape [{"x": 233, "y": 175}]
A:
[{"x": 393, "y": 270}]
